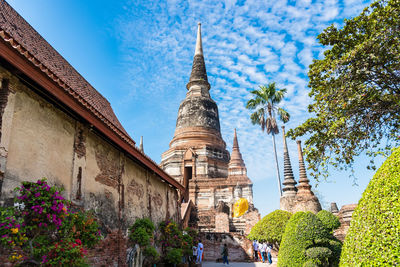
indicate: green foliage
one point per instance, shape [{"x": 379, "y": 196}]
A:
[
  {"x": 11, "y": 233},
  {"x": 142, "y": 233},
  {"x": 310, "y": 263},
  {"x": 66, "y": 252},
  {"x": 174, "y": 241},
  {"x": 374, "y": 235},
  {"x": 174, "y": 255},
  {"x": 271, "y": 227},
  {"x": 82, "y": 225},
  {"x": 330, "y": 221},
  {"x": 355, "y": 90},
  {"x": 151, "y": 252},
  {"x": 44, "y": 230},
  {"x": 305, "y": 232},
  {"x": 319, "y": 255}
]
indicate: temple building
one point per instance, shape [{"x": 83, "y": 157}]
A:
[
  {"x": 198, "y": 159},
  {"x": 54, "y": 124}
]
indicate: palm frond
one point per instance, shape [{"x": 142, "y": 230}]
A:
[
  {"x": 283, "y": 115},
  {"x": 253, "y": 103},
  {"x": 279, "y": 95}
]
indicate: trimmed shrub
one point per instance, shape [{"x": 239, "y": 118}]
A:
[
  {"x": 310, "y": 263},
  {"x": 319, "y": 255},
  {"x": 330, "y": 221},
  {"x": 271, "y": 227},
  {"x": 374, "y": 235},
  {"x": 305, "y": 232}
]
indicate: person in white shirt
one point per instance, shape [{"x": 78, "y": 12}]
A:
[
  {"x": 263, "y": 250},
  {"x": 194, "y": 258},
  {"x": 200, "y": 251}
]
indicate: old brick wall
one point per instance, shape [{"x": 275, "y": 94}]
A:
[
  {"x": 239, "y": 247},
  {"x": 114, "y": 244}
]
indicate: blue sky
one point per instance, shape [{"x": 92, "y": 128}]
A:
[{"x": 138, "y": 54}]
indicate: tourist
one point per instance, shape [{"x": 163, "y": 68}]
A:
[
  {"x": 194, "y": 257},
  {"x": 225, "y": 254},
  {"x": 269, "y": 247},
  {"x": 255, "y": 247},
  {"x": 200, "y": 250},
  {"x": 263, "y": 250}
]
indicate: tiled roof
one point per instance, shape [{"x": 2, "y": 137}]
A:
[{"x": 43, "y": 55}]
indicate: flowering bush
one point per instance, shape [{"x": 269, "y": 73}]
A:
[
  {"x": 67, "y": 253},
  {"x": 11, "y": 234},
  {"x": 176, "y": 242},
  {"x": 82, "y": 226},
  {"x": 41, "y": 226}
]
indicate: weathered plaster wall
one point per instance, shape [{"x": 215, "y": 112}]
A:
[{"x": 40, "y": 140}]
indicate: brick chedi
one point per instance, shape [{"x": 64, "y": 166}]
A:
[
  {"x": 198, "y": 159},
  {"x": 305, "y": 198},
  {"x": 289, "y": 183},
  {"x": 300, "y": 197}
]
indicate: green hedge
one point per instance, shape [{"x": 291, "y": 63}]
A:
[
  {"x": 307, "y": 242},
  {"x": 329, "y": 220},
  {"x": 374, "y": 235},
  {"x": 271, "y": 227}
]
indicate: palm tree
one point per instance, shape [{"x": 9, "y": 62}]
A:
[{"x": 265, "y": 103}]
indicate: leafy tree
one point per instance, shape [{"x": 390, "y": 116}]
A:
[
  {"x": 271, "y": 227},
  {"x": 265, "y": 103},
  {"x": 330, "y": 221},
  {"x": 355, "y": 90},
  {"x": 374, "y": 235}
]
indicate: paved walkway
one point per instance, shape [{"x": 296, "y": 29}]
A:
[{"x": 240, "y": 264}]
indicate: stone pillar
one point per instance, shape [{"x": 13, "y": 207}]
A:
[{"x": 7, "y": 103}]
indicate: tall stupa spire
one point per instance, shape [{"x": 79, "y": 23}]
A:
[
  {"x": 199, "y": 74},
  {"x": 289, "y": 183},
  {"x": 236, "y": 164},
  {"x": 304, "y": 186},
  {"x": 199, "y": 44}
]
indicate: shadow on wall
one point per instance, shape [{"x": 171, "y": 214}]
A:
[{"x": 239, "y": 247}]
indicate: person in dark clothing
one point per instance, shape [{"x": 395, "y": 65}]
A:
[
  {"x": 224, "y": 254},
  {"x": 269, "y": 249}
]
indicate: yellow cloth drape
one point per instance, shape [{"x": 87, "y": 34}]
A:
[{"x": 240, "y": 207}]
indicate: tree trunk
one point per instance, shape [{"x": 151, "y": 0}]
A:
[{"x": 277, "y": 165}]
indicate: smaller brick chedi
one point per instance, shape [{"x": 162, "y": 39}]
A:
[
  {"x": 198, "y": 159},
  {"x": 300, "y": 197}
]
